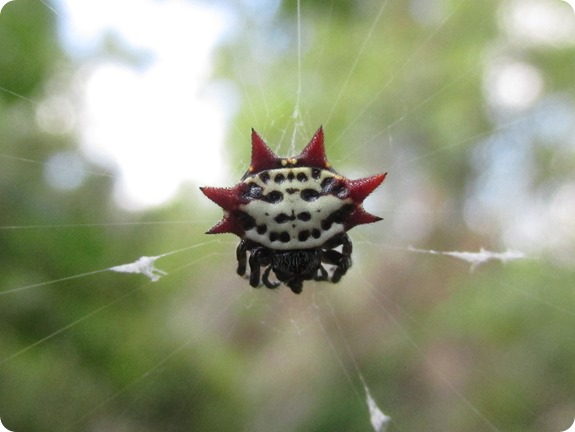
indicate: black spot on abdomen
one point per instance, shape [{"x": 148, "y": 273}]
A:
[
  {"x": 331, "y": 186},
  {"x": 283, "y": 236},
  {"x": 253, "y": 191},
  {"x": 283, "y": 218},
  {"x": 339, "y": 216},
  {"x": 303, "y": 235},
  {"x": 304, "y": 216},
  {"x": 246, "y": 221},
  {"x": 273, "y": 197},
  {"x": 261, "y": 229},
  {"x": 309, "y": 195},
  {"x": 265, "y": 176}
]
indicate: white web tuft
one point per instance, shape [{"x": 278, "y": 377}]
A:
[
  {"x": 379, "y": 421},
  {"x": 477, "y": 258},
  {"x": 144, "y": 265}
]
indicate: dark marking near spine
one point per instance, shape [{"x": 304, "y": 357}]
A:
[
  {"x": 253, "y": 191},
  {"x": 338, "y": 216},
  {"x": 265, "y": 176},
  {"x": 246, "y": 221},
  {"x": 339, "y": 190},
  {"x": 331, "y": 186},
  {"x": 309, "y": 195},
  {"x": 326, "y": 182},
  {"x": 273, "y": 197}
]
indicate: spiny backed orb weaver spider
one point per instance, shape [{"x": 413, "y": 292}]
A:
[{"x": 291, "y": 214}]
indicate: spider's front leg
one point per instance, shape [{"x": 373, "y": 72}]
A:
[
  {"x": 254, "y": 269},
  {"x": 321, "y": 273},
  {"x": 266, "y": 279},
  {"x": 242, "y": 257},
  {"x": 260, "y": 257},
  {"x": 341, "y": 260},
  {"x": 296, "y": 285}
]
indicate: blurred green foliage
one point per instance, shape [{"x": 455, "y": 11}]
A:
[{"x": 398, "y": 86}]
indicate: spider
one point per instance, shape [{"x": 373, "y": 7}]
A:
[{"x": 291, "y": 215}]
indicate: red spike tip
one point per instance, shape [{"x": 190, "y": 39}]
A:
[
  {"x": 313, "y": 155},
  {"x": 227, "y": 198},
  {"x": 360, "y": 217},
  {"x": 360, "y": 189},
  {"x": 228, "y": 224},
  {"x": 263, "y": 158}
]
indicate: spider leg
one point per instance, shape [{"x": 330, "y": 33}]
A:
[
  {"x": 242, "y": 256},
  {"x": 341, "y": 260},
  {"x": 347, "y": 247},
  {"x": 295, "y": 285},
  {"x": 266, "y": 279},
  {"x": 321, "y": 274},
  {"x": 254, "y": 269}
]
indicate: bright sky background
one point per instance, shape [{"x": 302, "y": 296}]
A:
[
  {"x": 158, "y": 123},
  {"x": 163, "y": 122}
]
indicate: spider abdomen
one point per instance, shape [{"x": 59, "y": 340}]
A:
[
  {"x": 295, "y": 208},
  {"x": 292, "y": 214}
]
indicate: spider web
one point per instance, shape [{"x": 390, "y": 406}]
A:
[{"x": 409, "y": 329}]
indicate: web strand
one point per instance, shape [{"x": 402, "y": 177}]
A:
[{"x": 369, "y": 285}]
